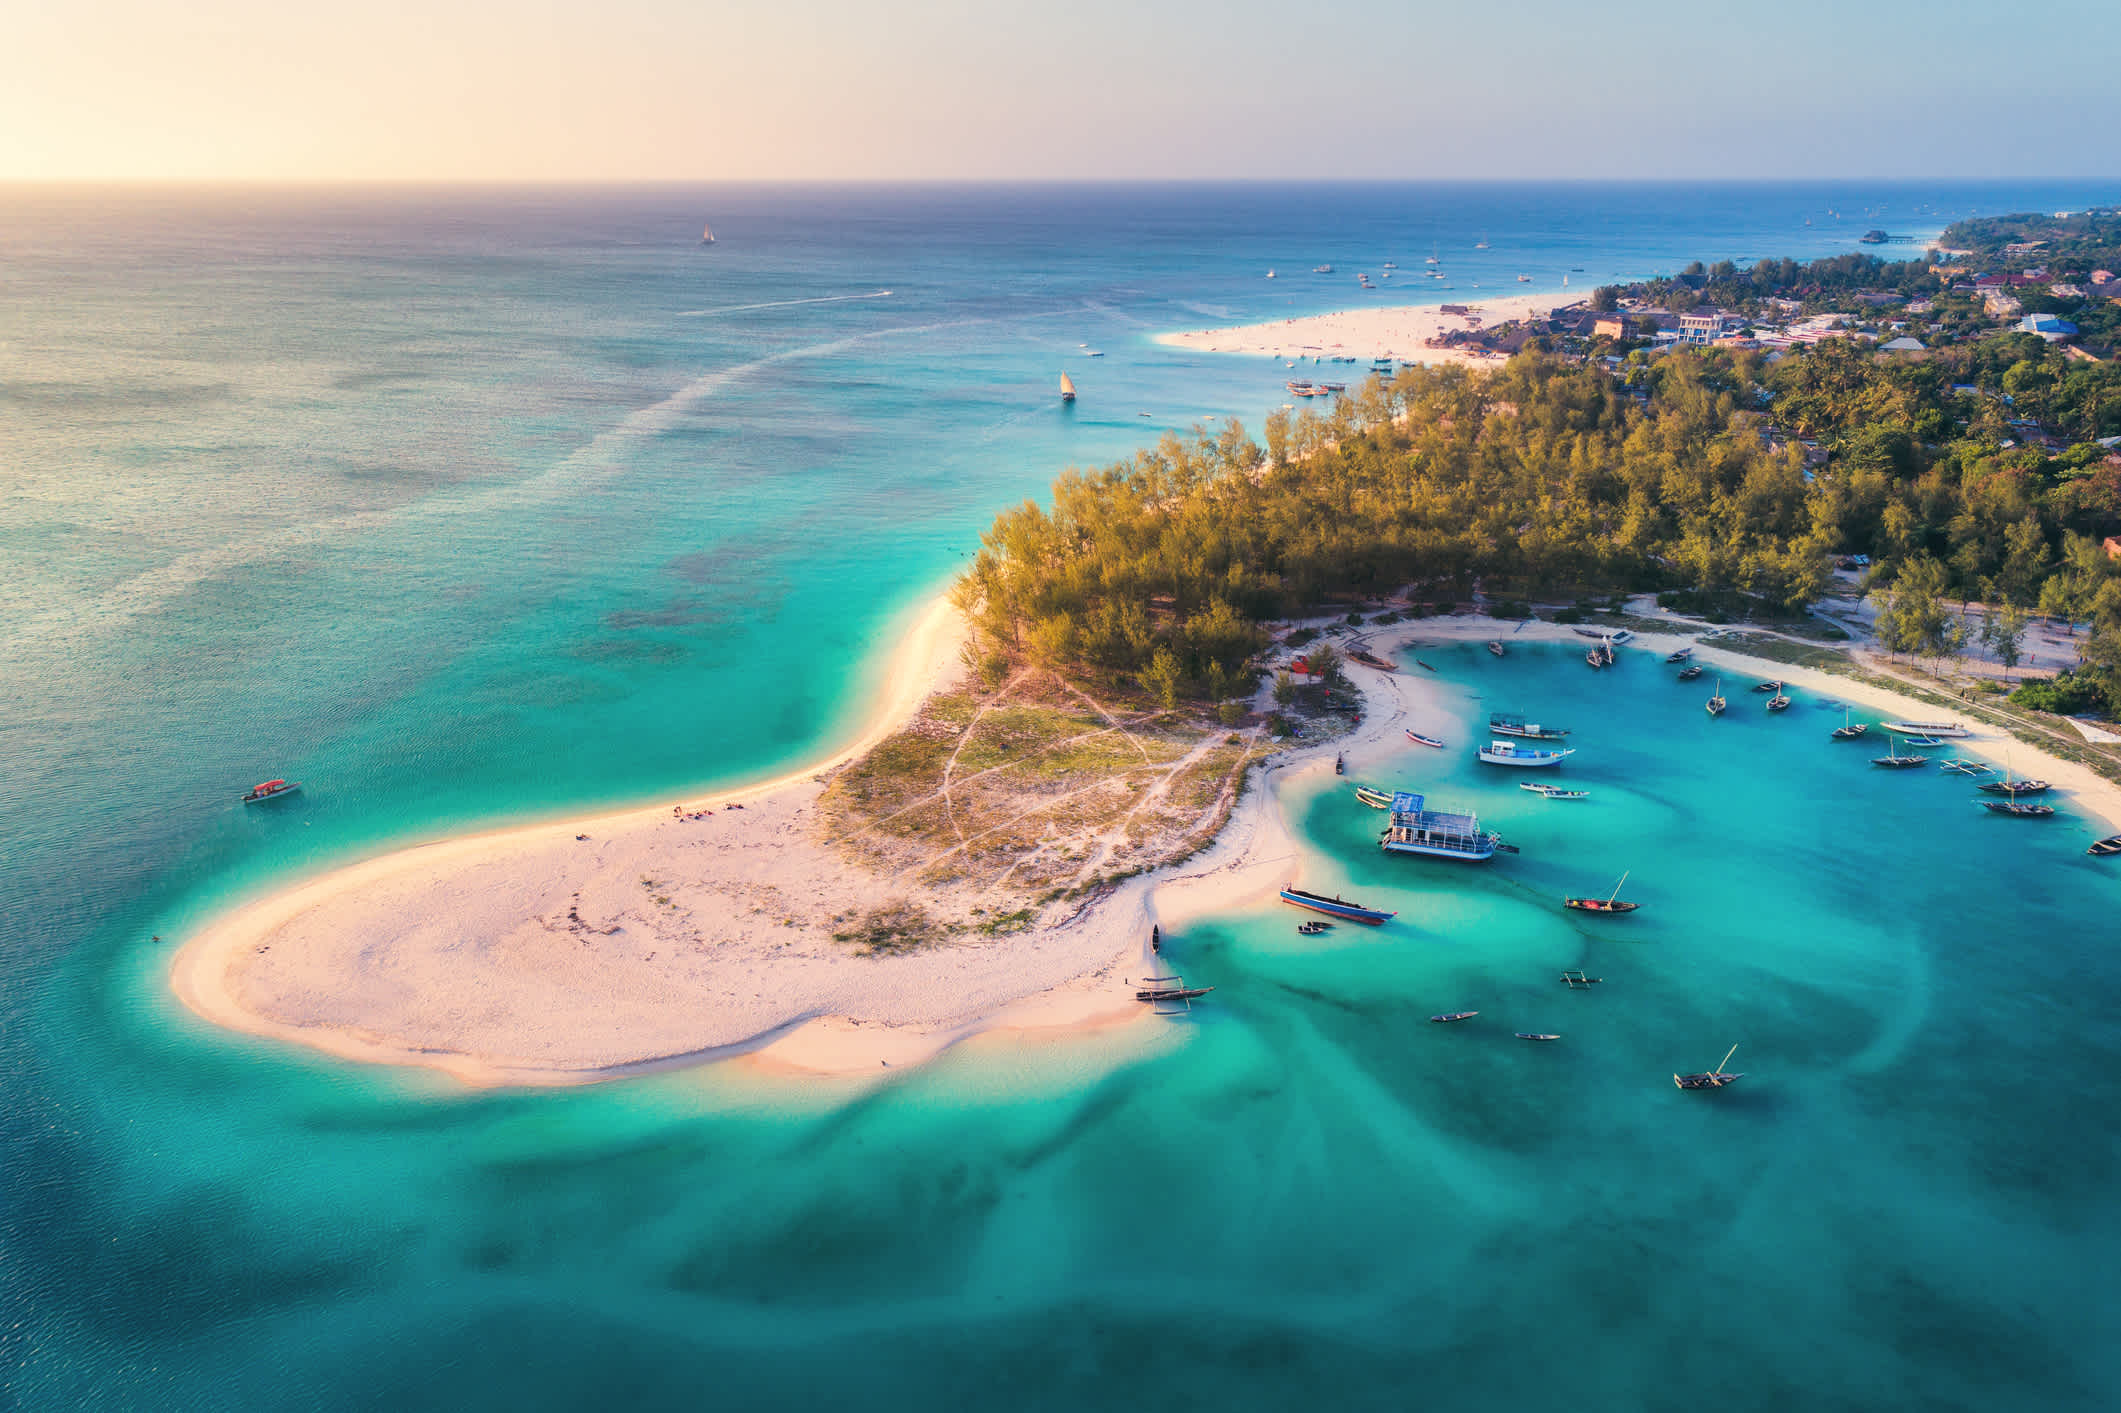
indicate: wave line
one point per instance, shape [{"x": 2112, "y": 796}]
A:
[{"x": 779, "y": 304}]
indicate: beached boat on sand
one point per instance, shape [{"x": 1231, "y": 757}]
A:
[
  {"x": 1420, "y": 740},
  {"x": 1950, "y": 729},
  {"x": 1337, "y": 907},
  {"x": 1523, "y": 757}
]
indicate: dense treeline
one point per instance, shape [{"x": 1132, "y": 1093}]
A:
[
  {"x": 1548, "y": 476},
  {"x": 2076, "y": 243}
]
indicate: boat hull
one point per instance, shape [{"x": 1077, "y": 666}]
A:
[
  {"x": 1336, "y": 908},
  {"x": 1950, "y": 729},
  {"x": 1477, "y": 854},
  {"x": 1525, "y": 760}
]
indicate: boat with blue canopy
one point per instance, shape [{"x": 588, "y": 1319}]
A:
[{"x": 1417, "y": 829}]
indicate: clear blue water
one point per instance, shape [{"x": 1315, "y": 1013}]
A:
[{"x": 466, "y": 507}]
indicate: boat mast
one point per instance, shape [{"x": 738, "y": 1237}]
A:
[
  {"x": 1726, "y": 1059},
  {"x": 1616, "y": 893}
]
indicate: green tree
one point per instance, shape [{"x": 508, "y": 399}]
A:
[
  {"x": 1284, "y": 688},
  {"x": 2003, "y": 632},
  {"x": 1164, "y": 677},
  {"x": 1325, "y": 661}
]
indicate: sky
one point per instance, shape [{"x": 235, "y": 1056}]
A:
[{"x": 687, "y": 90}]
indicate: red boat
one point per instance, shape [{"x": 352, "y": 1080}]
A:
[{"x": 271, "y": 790}]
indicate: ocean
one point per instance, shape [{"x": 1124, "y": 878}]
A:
[{"x": 471, "y": 507}]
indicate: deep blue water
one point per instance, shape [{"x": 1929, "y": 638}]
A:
[{"x": 464, "y": 506}]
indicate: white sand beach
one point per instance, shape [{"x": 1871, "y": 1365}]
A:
[
  {"x": 533, "y": 956},
  {"x": 1399, "y": 332}
]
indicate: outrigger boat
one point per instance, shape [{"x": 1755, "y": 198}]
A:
[
  {"x": 1553, "y": 792},
  {"x": 1928, "y": 728},
  {"x": 271, "y": 790},
  {"x": 1510, "y": 753},
  {"x": 1503, "y": 723},
  {"x": 1337, "y": 907},
  {"x": 1690, "y": 672},
  {"x": 1535, "y": 1035},
  {"x": 1679, "y": 656},
  {"x": 1711, "y": 1079},
  {"x": 1576, "y": 980},
  {"x": 1448, "y": 1016},
  {"x": 1964, "y": 767},
  {"x": 1846, "y": 732},
  {"x": 2106, "y": 848},
  {"x": 1495, "y": 646},
  {"x": 1420, "y": 740},
  {"x": 1419, "y": 830},
  {"x": 1375, "y": 798},
  {"x": 2016, "y": 810},
  {"x": 1609, "y": 905},
  {"x": 1716, "y": 704}
]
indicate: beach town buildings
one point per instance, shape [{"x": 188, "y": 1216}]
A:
[{"x": 2047, "y": 326}]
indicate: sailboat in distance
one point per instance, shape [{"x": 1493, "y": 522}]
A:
[
  {"x": 1067, "y": 388},
  {"x": 707, "y": 235}
]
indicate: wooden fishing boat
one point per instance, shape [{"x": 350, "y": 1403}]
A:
[
  {"x": 2016, "y": 810},
  {"x": 1153, "y": 989},
  {"x": 2106, "y": 848},
  {"x": 1610, "y": 905},
  {"x": 1340, "y": 764},
  {"x": 1893, "y": 760},
  {"x": 1680, "y": 656},
  {"x": 1690, "y": 672},
  {"x": 1924, "y": 742},
  {"x": 270, "y": 790},
  {"x": 1535, "y": 1035},
  {"x": 1577, "y": 979},
  {"x": 1716, "y": 704},
  {"x": 1419, "y": 663},
  {"x": 1311, "y": 929},
  {"x": 1510, "y": 753},
  {"x": 1375, "y": 798},
  {"x": 1448, "y": 1016},
  {"x": 1503, "y": 723},
  {"x": 1716, "y": 1078},
  {"x": 1961, "y": 766},
  {"x": 1595, "y": 658},
  {"x": 1067, "y": 388},
  {"x": 1370, "y": 659},
  {"x": 1337, "y": 907},
  {"x": 1779, "y": 702},
  {"x": 1846, "y": 732},
  {"x": 2008, "y": 786},
  {"x": 1553, "y": 792},
  {"x": 1495, "y": 646},
  {"x": 1767, "y": 686},
  {"x": 1420, "y": 740}
]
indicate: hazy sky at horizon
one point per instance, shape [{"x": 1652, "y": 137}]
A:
[{"x": 802, "y": 89}]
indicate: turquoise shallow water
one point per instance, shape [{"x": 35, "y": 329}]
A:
[{"x": 453, "y": 508}]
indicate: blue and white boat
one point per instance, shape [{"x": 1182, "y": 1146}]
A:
[
  {"x": 1504, "y": 723},
  {"x": 1525, "y": 757},
  {"x": 1336, "y": 907},
  {"x": 1416, "y": 829}
]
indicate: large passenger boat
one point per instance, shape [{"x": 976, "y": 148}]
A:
[
  {"x": 1416, "y": 829},
  {"x": 1526, "y": 757}
]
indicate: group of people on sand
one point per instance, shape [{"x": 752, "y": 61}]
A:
[{"x": 679, "y": 812}]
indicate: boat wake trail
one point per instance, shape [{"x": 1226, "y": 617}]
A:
[{"x": 780, "y": 304}]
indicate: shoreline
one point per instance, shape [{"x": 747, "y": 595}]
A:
[
  {"x": 866, "y": 1015},
  {"x": 1399, "y": 332}
]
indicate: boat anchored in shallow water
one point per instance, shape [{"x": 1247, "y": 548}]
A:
[
  {"x": 1417, "y": 829},
  {"x": 1553, "y": 792},
  {"x": 1449, "y": 1016},
  {"x": 1420, "y": 740},
  {"x": 2106, "y": 848},
  {"x": 1504, "y": 723},
  {"x": 1611, "y": 905},
  {"x": 1375, "y": 798},
  {"x": 270, "y": 790},
  {"x": 1945, "y": 729},
  {"x": 1337, "y": 907},
  {"x": 1523, "y": 757},
  {"x": 1846, "y": 732},
  {"x": 2015, "y": 809},
  {"x": 1716, "y": 704}
]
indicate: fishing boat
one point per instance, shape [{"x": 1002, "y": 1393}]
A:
[
  {"x": 1611, "y": 904},
  {"x": 1340, "y": 764},
  {"x": 2017, "y": 809},
  {"x": 1426, "y": 667},
  {"x": 270, "y": 790},
  {"x": 706, "y": 235},
  {"x": 1495, "y": 647},
  {"x": 1321, "y": 269},
  {"x": 1553, "y": 792},
  {"x": 1717, "y": 703},
  {"x": 1924, "y": 742},
  {"x": 2008, "y": 786},
  {"x": 1270, "y": 274},
  {"x": 1067, "y": 388},
  {"x": 1337, "y": 907},
  {"x": 1448, "y": 1016},
  {"x": 2106, "y": 848},
  {"x": 1961, "y": 766},
  {"x": 1168, "y": 988},
  {"x": 1374, "y": 798},
  {"x": 1370, "y": 659},
  {"x": 1950, "y": 729},
  {"x": 1506, "y": 724},
  {"x": 1847, "y": 732},
  {"x": 1779, "y": 702},
  {"x": 1311, "y": 929},
  {"x": 1420, "y": 740},
  {"x": 1680, "y": 656},
  {"x": 1576, "y": 980},
  {"x": 1535, "y": 1035},
  {"x": 1716, "y": 1078},
  {"x": 1416, "y": 829},
  {"x": 1690, "y": 672},
  {"x": 1767, "y": 686},
  {"x": 1524, "y": 757},
  {"x": 1893, "y": 760}
]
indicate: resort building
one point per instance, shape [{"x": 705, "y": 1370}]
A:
[{"x": 2047, "y": 326}]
